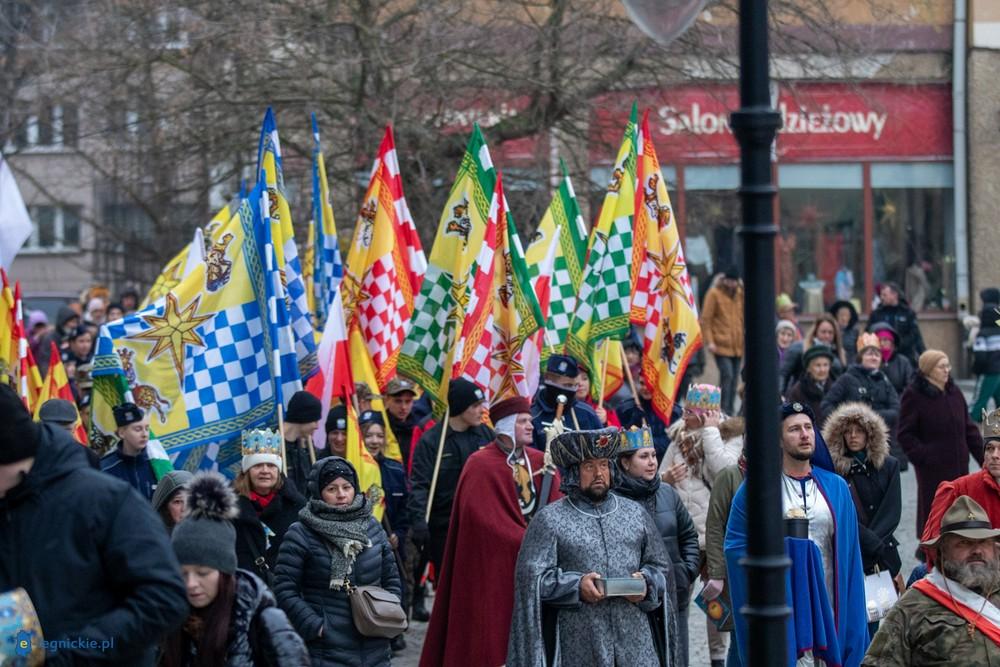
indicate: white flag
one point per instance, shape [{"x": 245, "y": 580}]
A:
[{"x": 15, "y": 225}]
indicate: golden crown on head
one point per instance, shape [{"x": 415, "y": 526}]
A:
[
  {"x": 261, "y": 441},
  {"x": 991, "y": 424}
]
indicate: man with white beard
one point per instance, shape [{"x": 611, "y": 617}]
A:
[{"x": 951, "y": 616}]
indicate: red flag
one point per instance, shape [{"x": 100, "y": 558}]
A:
[{"x": 56, "y": 385}]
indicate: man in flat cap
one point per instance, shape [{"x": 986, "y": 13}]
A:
[
  {"x": 498, "y": 493},
  {"x": 400, "y": 393},
  {"x": 951, "y": 616},
  {"x": 128, "y": 461},
  {"x": 589, "y": 582},
  {"x": 63, "y": 414},
  {"x": 560, "y": 379},
  {"x": 827, "y": 587},
  {"x": 466, "y": 435}
]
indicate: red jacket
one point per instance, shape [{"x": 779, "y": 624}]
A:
[{"x": 980, "y": 486}]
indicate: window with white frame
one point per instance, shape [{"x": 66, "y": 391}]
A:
[
  {"x": 54, "y": 228},
  {"x": 45, "y": 125}
]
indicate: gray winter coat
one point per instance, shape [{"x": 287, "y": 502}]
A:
[{"x": 302, "y": 586}]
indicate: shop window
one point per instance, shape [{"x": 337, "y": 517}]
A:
[
  {"x": 914, "y": 232},
  {"x": 712, "y": 215},
  {"x": 54, "y": 228},
  {"x": 820, "y": 245}
]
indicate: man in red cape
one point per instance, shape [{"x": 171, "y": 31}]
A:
[{"x": 499, "y": 491}]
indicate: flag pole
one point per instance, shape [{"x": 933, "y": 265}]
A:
[
  {"x": 604, "y": 374},
  {"x": 631, "y": 384},
  {"x": 437, "y": 465}
]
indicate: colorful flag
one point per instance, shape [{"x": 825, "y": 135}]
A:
[
  {"x": 514, "y": 312},
  {"x": 562, "y": 228},
  {"x": 667, "y": 308},
  {"x": 334, "y": 379},
  {"x": 190, "y": 256},
  {"x": 369, "y": 474},
  {"x": 269, "y": 165},
  {"x": 15, "y": 225},
  {"x": 9, "y": 362},
  {"x": 29, "y": 379},
  {"x": 197, "y": 361},
  {"x": 410, "y": 240},
  {"x": 56, "y": 385},
  {"x": 327, "y": 265},
  {"x": 603, "y": 307},
  {"x": 542, "y": 286},
  {"x": 429, "y": 350},
  {"x": 380, "y": 285}
]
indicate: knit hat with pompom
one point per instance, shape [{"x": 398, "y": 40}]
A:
[{"x": 206, "y": 536}]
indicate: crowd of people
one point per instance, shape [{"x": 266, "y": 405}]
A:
[{"x": 550, "y": 530}]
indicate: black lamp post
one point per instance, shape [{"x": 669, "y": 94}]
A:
[{"x": 754, "y": 125}]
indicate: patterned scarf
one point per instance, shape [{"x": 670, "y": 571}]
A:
[{"x": 345, "y": 531}]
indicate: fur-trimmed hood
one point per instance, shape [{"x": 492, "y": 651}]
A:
[{"x": 874, "y": 426}]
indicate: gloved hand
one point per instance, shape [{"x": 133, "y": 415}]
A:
[
  {"x": 551, "y": 432},
  {"x": 420, "y": 534},
  {"x": 713, "y": 588}
]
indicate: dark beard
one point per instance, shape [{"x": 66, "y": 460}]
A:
[
  {"x": 595, "y": 496},
  {"x": 983, "y": 579},
  {"x": 800, "y": 457}
]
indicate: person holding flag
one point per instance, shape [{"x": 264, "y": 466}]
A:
[
  {"x": 302, "y": 419},
  {"x": 129, "y": 460},
  {"x": 559, "y": 379}
]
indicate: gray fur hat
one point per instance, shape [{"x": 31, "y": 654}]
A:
[
  {"x": 206, "y": 536},
  {"x": 172, "y": 481}
]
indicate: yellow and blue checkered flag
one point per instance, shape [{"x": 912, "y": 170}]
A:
[
  {"x": 328, "y": 266},
  {"x": 198, "y": 359}
]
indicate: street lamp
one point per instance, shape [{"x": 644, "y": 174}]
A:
[{"x": 754, "y": 126}]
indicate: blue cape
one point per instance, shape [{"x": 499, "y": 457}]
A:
[{"x": 837, "y": 632}]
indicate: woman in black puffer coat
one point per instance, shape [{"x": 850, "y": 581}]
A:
[
  {"x": 265, "y": 515},
  {"x": 865, "y": 382},
  {"x": 858, "y": 440},
  {"x": 233, "y": 620},
  {"x": 680, "y": 537},
  {"x": 312, "y": 569}
]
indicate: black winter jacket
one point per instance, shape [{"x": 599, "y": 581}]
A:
[
  {"x": 792, "y": 369},
  {"x": 302, "y": 586},
  {"x": 806, "y": 390},
  {"x": 904, "y": 321},
  {"x": 672, "y": 519},
  {"x": 458, "y": 447},
  {"x": 92, "y": 555},
  {"x": 900, "y": 371},
  {"x": 986, "y": 347},
  {"x": 251, "y": 540},
  {"x": 866, "y": 386},
  {"x": 874, "y": 484},
  {"x": 260, "y": 634}
]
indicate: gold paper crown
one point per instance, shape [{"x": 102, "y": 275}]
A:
[
  {"x": 261, "y": 441},
  {"x": 991, "y": 424},
  {"x": 868, "y": 340}
]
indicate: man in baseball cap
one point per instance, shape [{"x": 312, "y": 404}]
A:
[
  {"x": 560, "y": 380},
  {"x": 400, "y": 393}
]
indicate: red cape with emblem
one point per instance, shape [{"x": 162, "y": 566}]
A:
[{"x": 470, "y": 623}]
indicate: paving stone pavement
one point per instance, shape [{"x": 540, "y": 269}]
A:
[{"x": 698, "y": 646}]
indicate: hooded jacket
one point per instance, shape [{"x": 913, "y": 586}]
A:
[
  {"x": 899, "y": 369},
  {"x": 91, "y": 554},
  {"x": 986, "y": 347},
  {"x": 874, "y": 482},
  {"x": 866, "y": 386},
  {"x": 848, "y": 334},
  {"x": 904, "y": 321}
]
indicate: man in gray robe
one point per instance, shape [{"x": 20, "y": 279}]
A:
[{"x": 561, "y": 616}]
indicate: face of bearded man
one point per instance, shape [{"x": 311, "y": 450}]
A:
[
  {"x": 973, "y": 563},
  {"x": 595, "y": 479}
]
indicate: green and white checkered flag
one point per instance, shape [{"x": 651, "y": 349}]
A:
[
  {"x": 567, "y": 274},
  {"x": 428, "y": 351},
  {"x": 605, "y": 298}
]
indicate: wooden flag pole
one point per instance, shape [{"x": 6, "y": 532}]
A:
[
  {"x": 631, "y": 383},
  {"x": 604, "y": 373},
  {"x": 437, "y": 465},
  {"x": 281, "y": 433}
]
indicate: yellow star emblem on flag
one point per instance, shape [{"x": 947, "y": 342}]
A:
[{"x": 173, "y": 330}]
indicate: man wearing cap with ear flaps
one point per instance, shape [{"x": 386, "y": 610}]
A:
[
  {"x": 466, "y": 435},
  {"x": 589, "y": 535},
  {"x": 91, "y": 555},
  {"x": 129, "y": 461},
  {"x": 498, "y": 493},
  {"x": 951, "y": 616},
  {"x": 829, "y": 624},
  {"x": 560, "y": 379}
]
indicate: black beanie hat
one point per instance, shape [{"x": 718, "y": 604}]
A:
[
  {"x": 19, "y": 434},
  {"x": 304, "y": 408},
  {"x": 990, "y": 295},
  {"x": 328, "y": 469},
  {"x": 336, "y": 419},
  {"x": 462, "y": 394}
]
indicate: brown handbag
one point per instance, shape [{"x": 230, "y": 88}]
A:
[{"x": 376, "y": 612}]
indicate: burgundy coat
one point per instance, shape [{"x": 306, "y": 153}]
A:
[{"x": 937, "y": 435}]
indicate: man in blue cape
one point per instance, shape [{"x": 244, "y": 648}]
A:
[{"x": 825, "y": 584}]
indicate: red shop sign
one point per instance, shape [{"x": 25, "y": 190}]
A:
[{"x": 820, "y": 121}]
